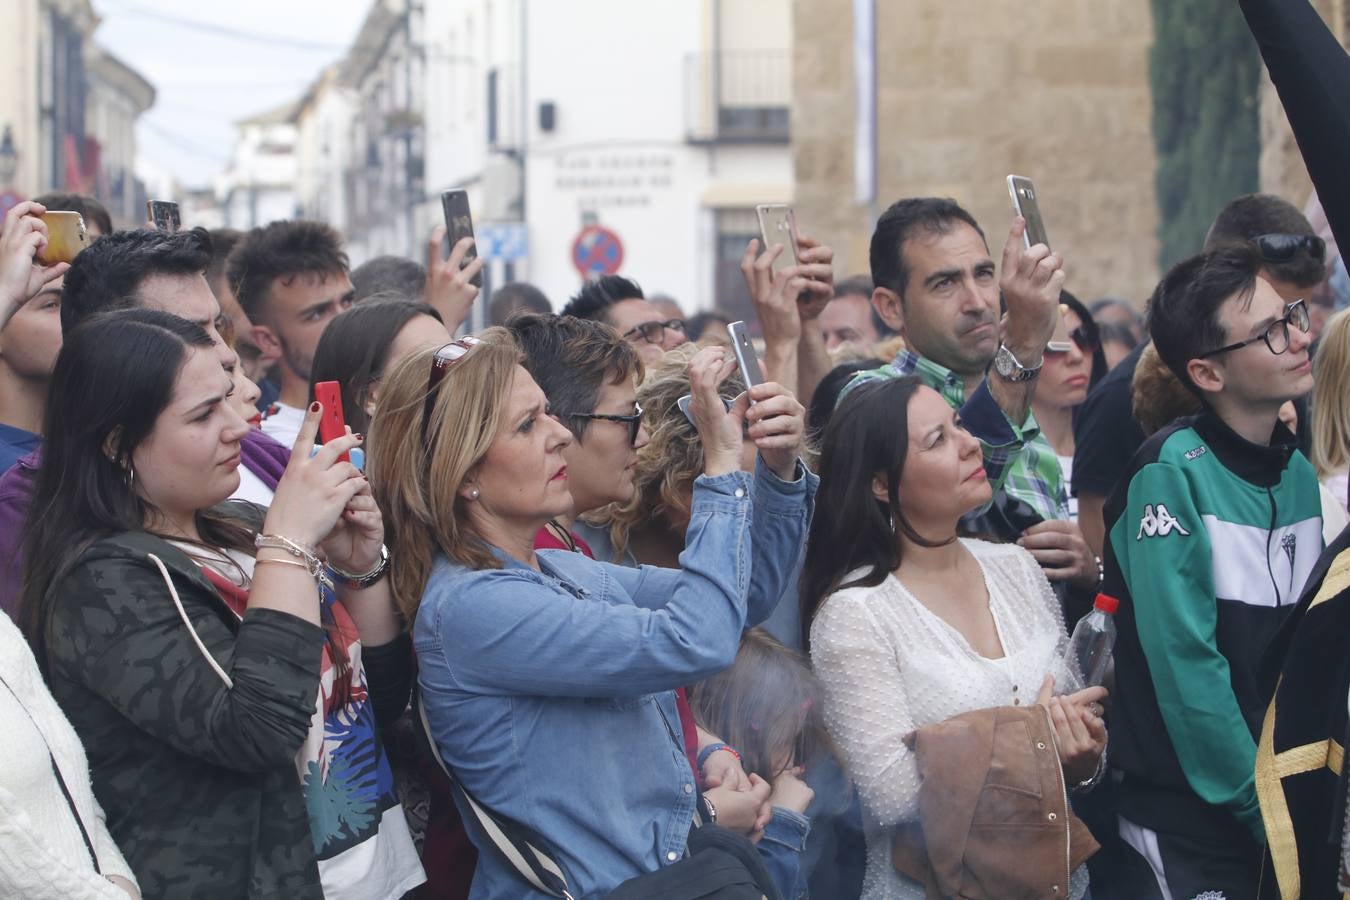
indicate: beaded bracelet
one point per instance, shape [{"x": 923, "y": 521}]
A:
[{"x": 713, "y": 748}]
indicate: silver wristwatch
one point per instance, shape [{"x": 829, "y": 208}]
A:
[{"x": 1009, "y": 369}]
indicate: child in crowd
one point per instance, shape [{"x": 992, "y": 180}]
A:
[{"x": 768, "y": 707}]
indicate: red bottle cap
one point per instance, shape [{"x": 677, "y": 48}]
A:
[{"x": 1107, "y": 604}]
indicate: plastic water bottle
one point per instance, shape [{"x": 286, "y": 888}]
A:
[{"x": 1094, "y": 637}]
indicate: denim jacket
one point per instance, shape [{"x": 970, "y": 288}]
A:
[{"x": 551, "y": 693}]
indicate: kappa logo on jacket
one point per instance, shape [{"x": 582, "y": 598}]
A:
[{"x": 1159, "y": 523}]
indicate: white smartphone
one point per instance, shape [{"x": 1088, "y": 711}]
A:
[
  {"x": 1025, "y": 204},
  {"x": 751, "y": 373},
  {"x": 778, "y": 225}
]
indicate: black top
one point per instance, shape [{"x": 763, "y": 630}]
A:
[{"x": 1105, "y": 433}]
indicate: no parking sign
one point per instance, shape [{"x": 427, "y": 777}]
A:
[{"x": 597, "y": 251}]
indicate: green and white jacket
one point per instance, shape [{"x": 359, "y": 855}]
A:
[{"x": 1210, "y": 541}]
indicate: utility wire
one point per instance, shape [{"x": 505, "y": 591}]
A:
[{"x": 230, "y": 32}]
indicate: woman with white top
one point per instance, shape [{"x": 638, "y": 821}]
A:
[{"x": 908, "y": 625}]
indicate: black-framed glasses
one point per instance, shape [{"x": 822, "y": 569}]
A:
[
  {"x": 1087, "y": 342},
  {"x": 1276, "y": 335},
  {"x": 1284, "y": 247},
  {"x": 445, "y": 357},
  {"x": 634, "y": 421},
  {"x": 654, "y": 332}
]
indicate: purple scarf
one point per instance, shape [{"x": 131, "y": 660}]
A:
[{"x": 264, "y": 456}]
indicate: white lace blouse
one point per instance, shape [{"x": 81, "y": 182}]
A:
[{"x": 890, "y": 665}]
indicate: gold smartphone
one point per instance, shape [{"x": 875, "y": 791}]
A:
[
  {"x": 777, "y": 225},
  {"x": 1025, "y": 204},
  {"x": 66, "y": 237}
]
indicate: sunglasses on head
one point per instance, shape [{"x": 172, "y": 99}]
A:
[
  {"x": 1087, "y": 343},
  {"x": 1284, "y": 247},
  {"x": 445, "y": 357}
]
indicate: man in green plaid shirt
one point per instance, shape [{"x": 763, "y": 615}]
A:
[{"x": 936, "y": 281}]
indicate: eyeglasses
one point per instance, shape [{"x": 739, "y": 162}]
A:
[
  {"x": 1284, "y": 247},
  {"x": 445, "y": 357},
  {"x": 1277, "y": 335},
  {"x": 653, "y": 332},
  {"x": 634, "y": 422},
  {"x": 1087, "y": 343}
]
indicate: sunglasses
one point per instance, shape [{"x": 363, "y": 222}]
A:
[
  {"x": 1276, "y": 335},
  {"x": 653, "y": 332},
  {"x": 445, "y": 357},
  {"x": 1087, "y": 342},
  {"x": 1284, "y": 247},
  {"x": 634, "y": 421}
]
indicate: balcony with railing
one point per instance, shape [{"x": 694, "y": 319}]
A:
[{"x": 738, "y": 97}]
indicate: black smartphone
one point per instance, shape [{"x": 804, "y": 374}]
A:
[
  {"x": 459, "y": 225},
  {"x": 164, "y": 214}
]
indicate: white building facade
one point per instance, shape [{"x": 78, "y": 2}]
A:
[
  {"x": 663, "y": 122},
  {"x": 259, "y": 186}
]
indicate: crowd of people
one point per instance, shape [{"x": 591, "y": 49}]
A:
[{"x": 574, "y": 608}]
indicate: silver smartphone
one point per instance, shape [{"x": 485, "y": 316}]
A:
[
  {"x": 1025, "y": 204},
  {"x": 683, "y": 404},
  {"x": 778, "y": 225},
  {"x": 751, "y": 373}
]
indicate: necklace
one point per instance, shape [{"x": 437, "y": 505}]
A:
[{"x": 562, "y": 534}]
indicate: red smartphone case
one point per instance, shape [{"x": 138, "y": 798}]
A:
[{"x": 332, "y": 424}]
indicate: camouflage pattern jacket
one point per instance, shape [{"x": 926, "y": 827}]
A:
[{"x": 191, "y": 718}]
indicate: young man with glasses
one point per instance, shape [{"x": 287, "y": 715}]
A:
[
  {"x": 1210, "y": 538},
  {"x": 620, "y": 303}
]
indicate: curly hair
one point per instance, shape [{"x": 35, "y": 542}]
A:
[
  {"x": 282, "y": 250},
  {"x": 663, "y": 482},
  {"x": 1157, "y": 395}
]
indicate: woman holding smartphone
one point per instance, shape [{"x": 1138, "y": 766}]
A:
[
  {"x": 183, "y": 638},
  {"x": 546, "y": 673},
  {"x": 909, "y": 625}
]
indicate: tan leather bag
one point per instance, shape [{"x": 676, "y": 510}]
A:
[{"x": 994, "y": 817}]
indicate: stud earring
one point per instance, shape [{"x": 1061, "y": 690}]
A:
[{"x": 473, "y": 493}]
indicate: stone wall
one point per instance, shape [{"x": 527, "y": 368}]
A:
[{"x": 971, "y": 90}]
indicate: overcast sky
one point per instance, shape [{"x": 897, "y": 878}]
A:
[{"x": 207, "y": 78}]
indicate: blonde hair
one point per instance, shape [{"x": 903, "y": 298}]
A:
[
  {"x": 1331, "y": 397},
  {"x": 417, "y": 487},
  {"x": 663, "y": 480}
]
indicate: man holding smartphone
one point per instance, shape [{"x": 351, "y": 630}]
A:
[{"x": 934, "y": 277}]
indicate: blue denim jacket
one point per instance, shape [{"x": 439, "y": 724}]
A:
[{"x": 551, "y": 693}]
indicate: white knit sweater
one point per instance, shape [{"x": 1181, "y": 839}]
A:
[
  {"x": 42, "y": 855},
  {"x": 890, "y": 665}
]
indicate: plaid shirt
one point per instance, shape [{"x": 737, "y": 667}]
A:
[{"x": 1017, "y": 459}]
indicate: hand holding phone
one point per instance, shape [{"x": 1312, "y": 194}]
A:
[
  {"x": 459, "y": 225},
  {"x": 66, "y": 237},
  {"x": 333, "y": 423}
]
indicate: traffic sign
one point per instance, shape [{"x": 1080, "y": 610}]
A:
[
  {"x": 507, "y": 241},
  {"x": 597, "y": 251}
]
